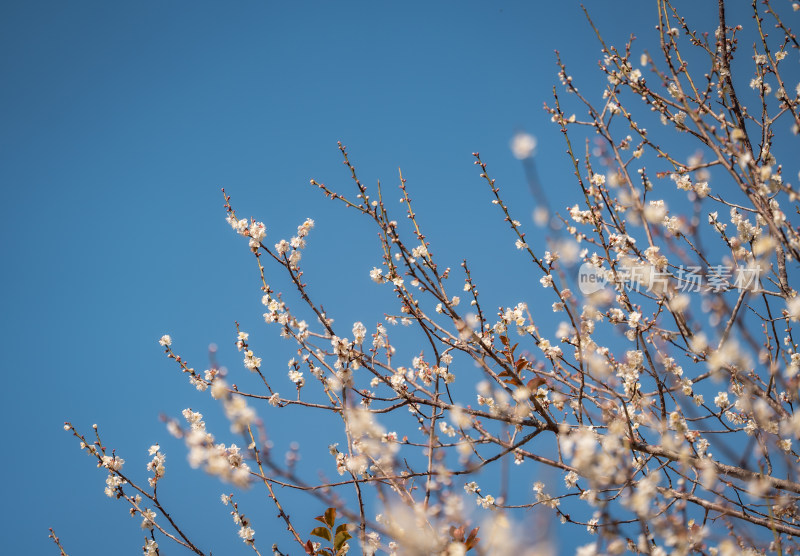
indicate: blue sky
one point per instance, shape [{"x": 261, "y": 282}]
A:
[{"x": 121, "y": 121}]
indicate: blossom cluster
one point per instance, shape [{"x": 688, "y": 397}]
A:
[{"x": 632, "y": 397}]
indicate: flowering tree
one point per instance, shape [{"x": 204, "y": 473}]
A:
[{"x": 664, "y": 401}]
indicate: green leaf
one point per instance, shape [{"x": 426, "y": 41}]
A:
[
  {"x": 322, "y": 532},
  {"x": 341, "y": 538},
  {"x": 509, "y": 378},
  {"x": 330, "y": 517},
  {"x": 534, "y": 383},
  {"x": 340, "y": 528},
  {"x": 473, "y": 538}
]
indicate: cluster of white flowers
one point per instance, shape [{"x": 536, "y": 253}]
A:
[
  {"x": 343, "y": 350},
  {"x": 552, "y": 352},
  {"x": 629, "y": 372},
  {"x": 113, "y": 482},
  {"x": 156, "y": 465},
  {"x": 420, "y": 251},
  {"x": 296, "y": 377},
  {"x": 580, "y": 216},
  {"x": 643, "y": 498},
  {"x": 240, "y": 415},
  {"x": 571, "y": 479},
  {"x": 256, "y": 231},
  {"x": 276, "y": 310},
  {"x": 373, "y": 447},
  {"x": 148, "y": 519},
  {"x": 112, "y": 463},
  {"x": 150, "y": 547},
  {"x": 544, "y": 498},
  {"x": 251, "y": 361},
  {"x": 655, "y": 211},
  {"x": 759, "y": 83},
  {"x": 294, "y": 246},
  {"x": 359, "y": 333},
  {"x": 511, "y": 316},
  {"x": 241, "y": 340},
  {"x": 747, "y": 231},
  {"x": 246, "y": 532},
  {"x": 223, "y": 461},
  {"x": 257, "y": 234}
]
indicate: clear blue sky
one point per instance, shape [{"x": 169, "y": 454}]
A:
[{"x": 120, "y": 123}]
